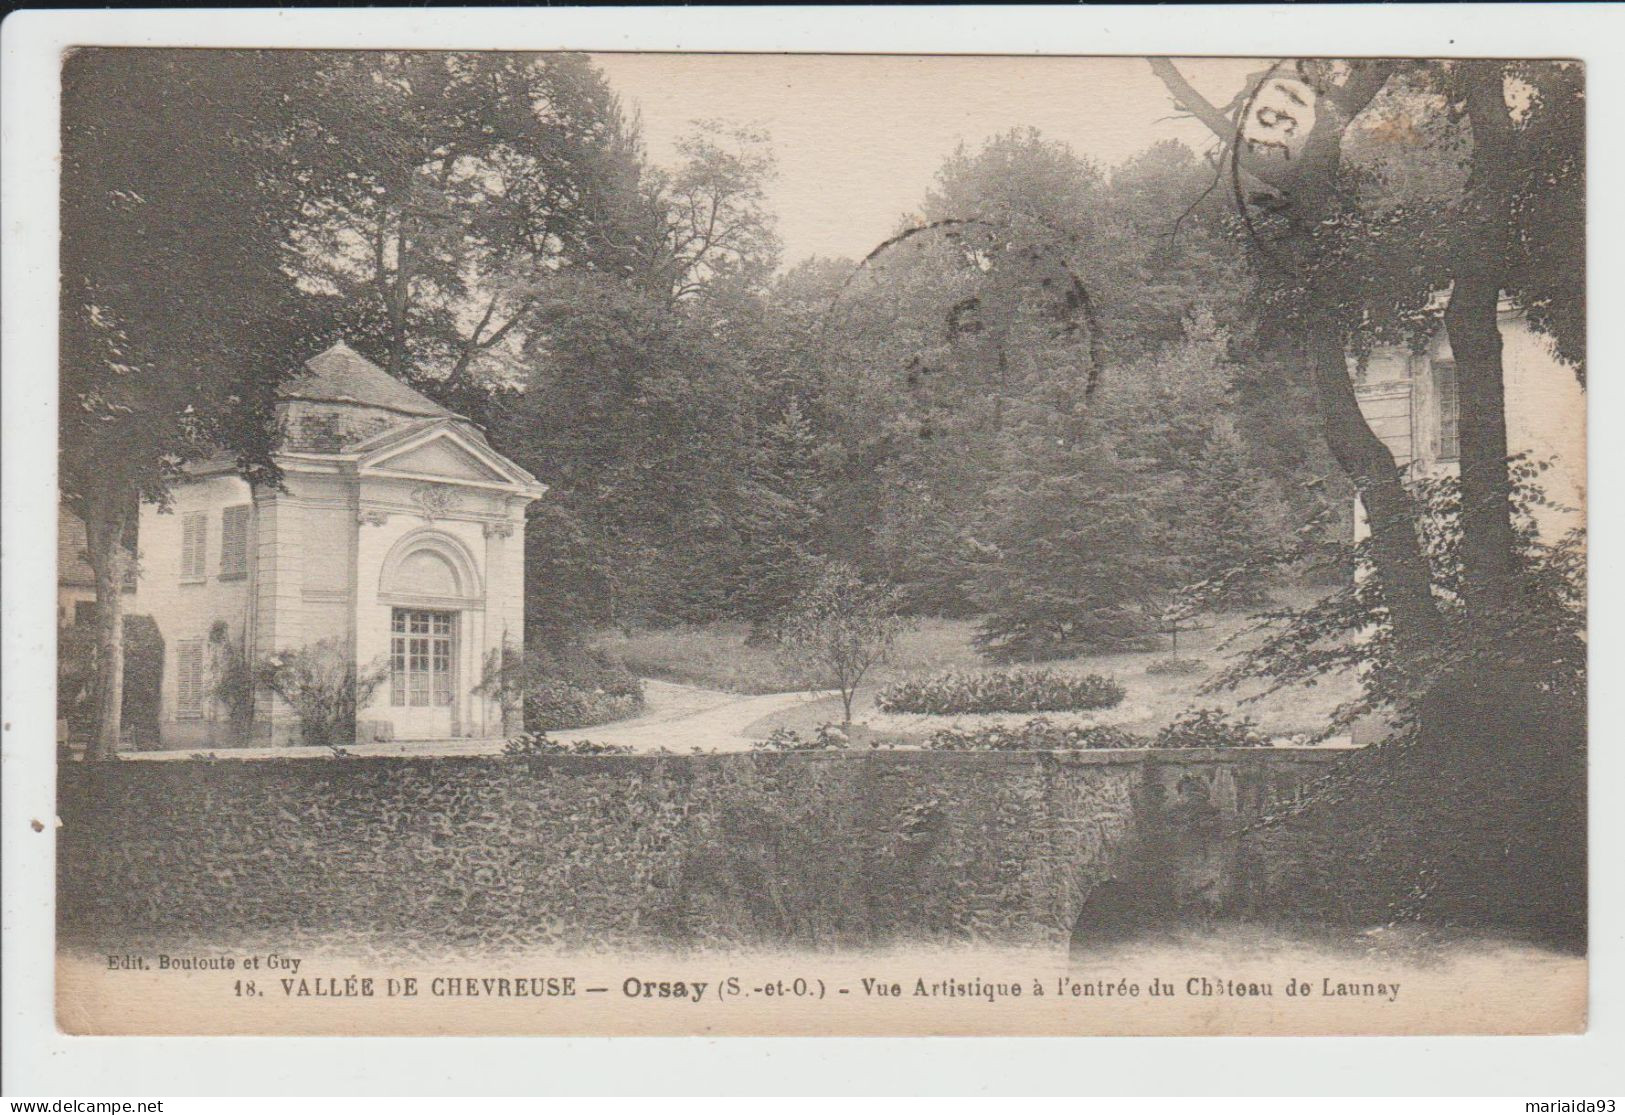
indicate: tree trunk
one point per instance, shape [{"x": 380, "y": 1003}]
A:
[
  {"x": 104, "y": 538},
  {"x": 1489, "y": 552},
  {"x": 1488, "y": 543},
  {"x": 1400, "y": 567},
  {"x": 399, "y": 296}
]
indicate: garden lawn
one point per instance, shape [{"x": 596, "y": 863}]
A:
[
  {"x": 1151, "y": 701},
  {"x": 717, "y": 656}
]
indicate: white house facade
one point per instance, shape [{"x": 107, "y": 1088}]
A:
[
  {"x": 396, "y": 542},
  {"x": 1410, "y": 401}
]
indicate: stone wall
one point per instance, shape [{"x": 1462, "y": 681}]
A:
[{"x": 833, "y": 848}]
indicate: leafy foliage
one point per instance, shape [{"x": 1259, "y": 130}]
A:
[
  {"x": 177, "y": 321},
  {"x": 536, "y": 744},
  {"x": 841, "y": 628},
  {"x": 1076, "y": 571},
  {"x": 143, "y": 679},
  {"x": 631, "y": 411},
  {"x": 952, "y": 694},
  {"x": 1037, "y": 734},
  {"x": 826, "y": 737},
  {"x": 923, "y": 417},
  {"x": 232, "y": 680},
  {"x": 325, "y": 687},
  {"x": 440, "y": 190},
  {"x": 76, "y": 676},
  {"x": 783, "y": 512},
  {"x": 550, "y": 688},
  {"x": 1210, "y": 727},
  {"x": 1105, "y": 516},
  {"x": 715, "y": 230},
  {"x": 1536, "y": 634},
  {"x": 76, "y": 657},
  {"x": 164, "y": 150}
]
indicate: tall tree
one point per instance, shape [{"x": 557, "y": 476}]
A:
[
  {"x": 1029, "y": 287},
  {"x": 781, "y": 497},
  {"x": 177, "y": 320},
  {"x": 710, "y": 224},
  {"x": 1523, "y": 168},
  {"x": 633, "y": 413},
  {"x": 648, "y": 395},
  {"x": 440, "y": 192},
  {"x": 1076, "y": 568},
  {"x": 1284, "y": 149}
]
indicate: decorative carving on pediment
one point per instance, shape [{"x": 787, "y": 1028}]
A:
[
  {"x": 434, "y": 500},
  {"x": 501, "y": 529},
  {"x": 372, "y": 518}
]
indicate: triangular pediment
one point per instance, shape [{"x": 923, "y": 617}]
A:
[
  {"x": 445, "y": 453},
  {"x": 441, "y": 457}
]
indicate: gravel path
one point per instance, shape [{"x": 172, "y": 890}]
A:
[{"x": 679, "y": 718}]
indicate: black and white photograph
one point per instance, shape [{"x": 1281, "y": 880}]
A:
[{"x": 577, "y": 543}]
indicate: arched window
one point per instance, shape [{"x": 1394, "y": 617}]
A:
[
  {"x": 426, "y": 573},
  {"x": 429, "y": 568}
]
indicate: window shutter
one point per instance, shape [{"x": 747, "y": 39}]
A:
[
  {"x": 189, "y": 679},
  {"x": 194, "y": 545},
  {"x": 234, "y": 523}
]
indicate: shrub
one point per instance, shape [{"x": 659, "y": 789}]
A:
[
  {"x": 143, "y": 679},
  {"x": 1037, "y": 734},
  {"x": 325, "y": 687},
  {"x": 76, "y": 679},
  {"x": 1178, "y": 667},
  {"x": 1209, "y": 727},
  {"x": 841, "y": 627},
  {"x": 957, "y": 694},
  {"x": 828, "y": 737},
  {"x": 233, "y": 681},
  {"x": 559, "y": 687},
  {"x": 532, "y": 744},
  {"x": 576, "y": 687}
]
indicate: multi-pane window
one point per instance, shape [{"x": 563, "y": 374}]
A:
[
  {"x": 189, "y": 691},
  {"x": 420, "y": 658},
  {"x": 1445, "y": 389},
  {"x": 194, "y": 545},
  {"x": 234, "y": 523}
]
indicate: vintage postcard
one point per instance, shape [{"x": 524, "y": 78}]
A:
[{"x": 810, "y": 544}]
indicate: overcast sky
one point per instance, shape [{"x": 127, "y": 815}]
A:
[{"x": 859, "y": 138}]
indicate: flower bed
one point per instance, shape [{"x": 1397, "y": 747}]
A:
[{"x": 959, "y": 693}]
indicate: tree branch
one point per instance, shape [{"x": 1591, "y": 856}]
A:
[
  {"x": 1365, "y": 81},
  {"x": 496, "y": 338},
  {"x": 1227, "y": 130}
]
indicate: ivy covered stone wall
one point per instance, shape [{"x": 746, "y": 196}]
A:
[{"x": 836, "y": 848}]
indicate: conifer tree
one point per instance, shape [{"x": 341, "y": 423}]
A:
[{"x": 782, "y": 507}]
